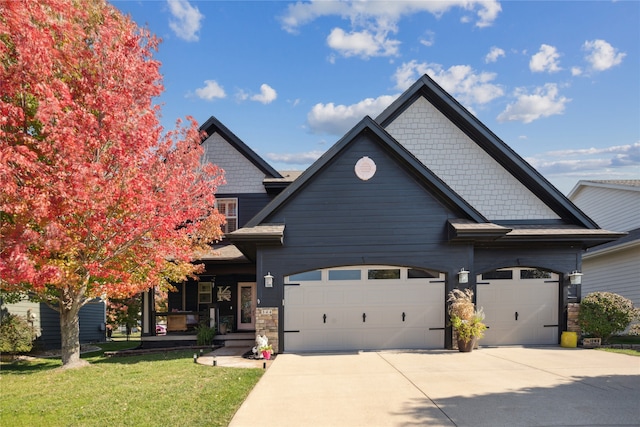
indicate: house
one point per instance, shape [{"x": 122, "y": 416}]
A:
[
  {"x": 226, "y": 293},
  {"x": 360, "y": 251},
  {"x": 46, "y": 321},
  {"x": 615, "y": 266}
]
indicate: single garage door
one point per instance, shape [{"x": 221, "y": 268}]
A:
[
  {"x": 520, "y": 305},
  {"x": 364, "y": 308}
]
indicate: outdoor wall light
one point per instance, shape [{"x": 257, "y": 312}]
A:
[
  {"x": 575, "y": 277},
  {"x": 268, "y": 281},
  {"x": 463, "y": 276}
]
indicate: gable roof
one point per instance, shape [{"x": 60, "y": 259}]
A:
[
  {"x": 213, "y": 125},
  {"x": 490, "y": 143},
  {"x": 368, "y": 125},
  {"x": 613, "y": 184}
]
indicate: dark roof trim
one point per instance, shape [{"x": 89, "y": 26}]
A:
[
  {"x": 368, "y": 125},
  {"x": 489, "y": 142},
  {"x": 213, "y": 125},
  {"x": 247, "y": 239},
  {"x": 465, "y": 231}
]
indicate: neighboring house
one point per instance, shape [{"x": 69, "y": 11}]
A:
[
  {"x": 46, "y": 322},
  {"x": 615, "y": 266},
  {"x": 360, "y": 251}
]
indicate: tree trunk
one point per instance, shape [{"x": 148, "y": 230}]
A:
[{"x": 70, "y": 333}]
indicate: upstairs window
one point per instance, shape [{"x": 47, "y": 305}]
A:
[{"x": 228, "y": 208}]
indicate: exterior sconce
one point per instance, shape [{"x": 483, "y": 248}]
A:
[
  {"x": 463, "y": 276},
  {"x": 268, "y": 281},
  {"x": 575, "y": 277}
]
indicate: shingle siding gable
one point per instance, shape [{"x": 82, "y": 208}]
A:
[
  {"x": 241, "y": 175},
  {"x": 464, "y": 166}
]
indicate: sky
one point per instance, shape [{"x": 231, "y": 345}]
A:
[{"x": 557, "y": 81}]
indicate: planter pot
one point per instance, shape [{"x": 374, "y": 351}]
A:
[
  {"x": 223, "y": 329},
  {"x": 466, "y": 347},
  {"x": 266, "y": 355}
]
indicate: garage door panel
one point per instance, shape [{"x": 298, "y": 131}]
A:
[
  {"x": 517, "y": 310},
  {"x": 383, "y": 302}
]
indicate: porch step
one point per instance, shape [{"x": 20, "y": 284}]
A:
[
  {"x": 240, "y": 343},
  {"x": 236, "y": 339}
]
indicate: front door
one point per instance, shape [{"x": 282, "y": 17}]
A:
[{"x": 247, "y": 306}]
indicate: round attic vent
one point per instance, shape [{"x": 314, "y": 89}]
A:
[{"x": 365, "y": 168}]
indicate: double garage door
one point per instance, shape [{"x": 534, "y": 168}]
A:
[
  {"x": 363, "y": 308},
  {"x": 369, "y": 308}
]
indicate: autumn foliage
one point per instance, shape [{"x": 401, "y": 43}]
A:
[{"x": 96, "y": 198}]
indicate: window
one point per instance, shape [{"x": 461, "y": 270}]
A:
[
  {"x": 204, "y": 292},
  {"x": 418, "y": 273},
  {"x": 382, "y": 274},
  {"x": 344, "y": 274},
  {"x": 307, "y": 276},
  {"x": 498, "y": 275},
  {"x": 228, "y": 208},
  {"x": 535, "y": 274}
]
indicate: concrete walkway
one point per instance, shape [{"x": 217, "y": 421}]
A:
[
  {"x": 231, "y": 357},
  {"x": 508, "y": 386}
]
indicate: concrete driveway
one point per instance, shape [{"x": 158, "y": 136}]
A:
[{"x": 507, "y": 386}]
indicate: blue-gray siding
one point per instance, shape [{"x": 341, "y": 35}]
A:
[
  {"x": 47, "y": 322},
  {"x": 392, "y": 219}
]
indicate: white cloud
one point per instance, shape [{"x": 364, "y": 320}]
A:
[
  {"x": 543, "y": 102},
  {"x": 362, "y": 43},
  {"x": 266, "y": 96},
  {"x": 494, "y": 54},
  {"x": 429, "y": 39},
  {"x": 338, "y": 119},
  {"x": 379, "y": 19},
  {"x": 295, "y": 158},
  {"x": 210, "y": 91},
  {"x": 592, "y": 159},
  {"x": 188, "y": 19},
  {"x": 461, "y": 81},
  {"x": 601, "y": 55},
  {"x": 545, "y": 60},
  {"x": 576, "y": 71}
]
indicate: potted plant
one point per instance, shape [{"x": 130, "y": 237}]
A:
[
  {"x": 266, "y": 351},
  {"x": 466, "y": 320}
]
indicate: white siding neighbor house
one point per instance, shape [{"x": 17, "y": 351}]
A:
[{"x": 615, "y": 266}]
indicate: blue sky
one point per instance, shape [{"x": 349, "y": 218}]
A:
[{"x": 558, "y": 81}]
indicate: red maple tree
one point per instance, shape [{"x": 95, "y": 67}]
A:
[{"x": 97, "y": 200}]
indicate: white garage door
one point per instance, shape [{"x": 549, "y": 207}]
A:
[
  {"x": 520, "y": 305},
  {"x": 364, "y": 308}
]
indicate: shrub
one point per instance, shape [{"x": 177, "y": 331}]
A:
[
  {"x": 603, "y": 314},
  {"x": 205, "y": 334},
  {"x": 16, "y": 335}
]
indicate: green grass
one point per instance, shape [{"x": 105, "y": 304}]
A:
[
  {"x": 623, "y": 339},
  {"x": 630, "y": 352},
  {"x": 147, "y": 390}
]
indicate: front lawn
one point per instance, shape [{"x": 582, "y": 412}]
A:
[
  {"x": 148, "y": 390},
  {"x": 623, "y": 339}
]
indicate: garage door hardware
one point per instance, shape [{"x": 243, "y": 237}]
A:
[
  {"x": 324, "y": 318},
  {"x": 364, "y": 317},
  {"x": 516, "y": 316},
  {"x": 403, "y": 316}
]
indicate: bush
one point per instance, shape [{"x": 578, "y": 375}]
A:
[
  {"x": 205, "y": 334},
  {"x": 16, "y": 335},
  {"x": 603, "y": 314}
]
